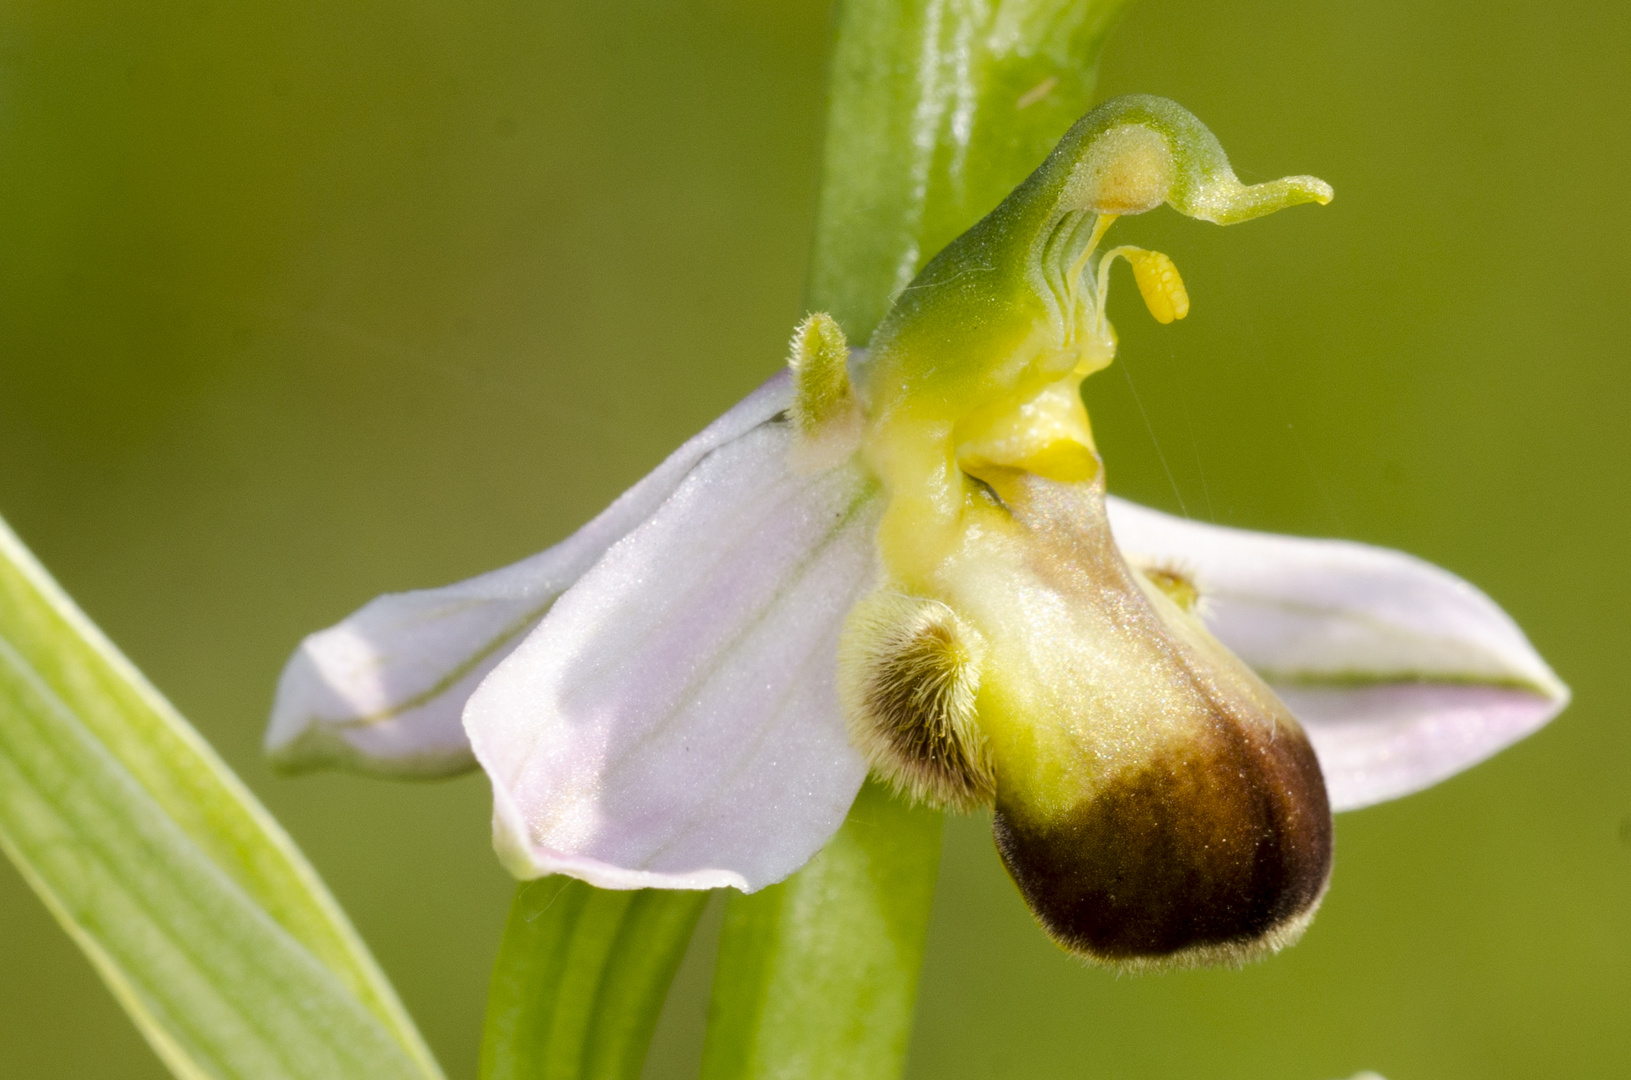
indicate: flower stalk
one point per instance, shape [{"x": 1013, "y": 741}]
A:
[
  {"x": 936, "y": 111},
  {"x": 580, "y": 979},
  {"x": 817, "y": 976}
]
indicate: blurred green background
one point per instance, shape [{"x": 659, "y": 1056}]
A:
[{"x": 304, "y": 301}]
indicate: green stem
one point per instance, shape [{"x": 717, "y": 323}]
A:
[
  {"x": 817, "y": 976},
  {"x": 580, "y": 978},
  {"x": 937, "y": 110}
]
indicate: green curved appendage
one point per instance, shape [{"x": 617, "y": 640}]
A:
[
  {"x": 1004, "y": 297},
  {"x": 1199, "y": 181}
]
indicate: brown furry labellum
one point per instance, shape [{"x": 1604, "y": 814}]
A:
[
  {"x": 1154, "y": 801},
  {"x": 909, "y": 672},
  {"x": 1217, "y": 855},
  {"x": 1201, "y": 834}
]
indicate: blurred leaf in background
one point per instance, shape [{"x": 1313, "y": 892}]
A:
[
  {"x": 201, "y": 917},
  {"x": 336, "y": 287},
  {"x": 302, "y": 303}
]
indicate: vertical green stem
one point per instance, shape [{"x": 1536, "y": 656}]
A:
[
  {"x": 937, "y": 109},
  {"x": 580, "y": 978},
  {"x": 817, "y": 976}
]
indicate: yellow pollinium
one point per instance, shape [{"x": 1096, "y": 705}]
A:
[
  {"x": 1158, "y": 282},
  {"x": 1157, "y": 279}
]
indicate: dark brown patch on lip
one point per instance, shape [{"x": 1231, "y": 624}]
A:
[{"x": 1216, "y": 851}]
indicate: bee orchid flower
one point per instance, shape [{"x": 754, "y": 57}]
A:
[{"x": 902, "y": 559}]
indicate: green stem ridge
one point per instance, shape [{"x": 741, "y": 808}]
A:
[
  {"x": 937, "y": 109},
  {"x": 817, "y": 976},
  {"x": 580, "y": 979}
]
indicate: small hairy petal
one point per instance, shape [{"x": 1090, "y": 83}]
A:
[
  {"x": 1401, "y": 673},
  {"x": 908, "y": 673},
  {"x": 819, "y": 360},
  {"x": 673, "y": 722},
  {"x": 382, "y": 691}
]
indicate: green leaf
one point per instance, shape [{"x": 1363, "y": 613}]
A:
[
  {"x": 197, "y": 910},
  {"x": 938, "y": 109},
  {"x": 818, "y": 975},
  {"x": 580, "y": 979}
]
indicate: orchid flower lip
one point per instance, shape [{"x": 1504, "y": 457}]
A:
[{"x": 901, "y": 559}]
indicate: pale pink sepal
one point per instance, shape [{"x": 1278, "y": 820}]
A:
[
  {"x": 1402, "y": 673},
  {"x": 382, "y": 691},
  {"x": 1377, "y": 743},
  {"x": 673, "y": 721}
]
